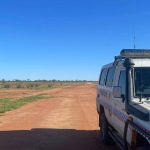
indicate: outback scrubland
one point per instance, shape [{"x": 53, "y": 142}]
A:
[{"x": 60, "y": 116}]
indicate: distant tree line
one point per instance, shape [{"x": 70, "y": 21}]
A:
[
  {"x": 37, "y": 84},
  {"x": 53, "y": 80}
]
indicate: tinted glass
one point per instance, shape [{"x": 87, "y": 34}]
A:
[
  {"x": 122, "y": 82},
  {"x": 142, "y": 82},
  {"x": 110, "y": 77},
  {"x": 103, "y": 77}
]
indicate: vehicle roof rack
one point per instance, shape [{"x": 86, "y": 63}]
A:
[
  {"x": 132, "y": 53},
  {"x": 135, "y": 53}
]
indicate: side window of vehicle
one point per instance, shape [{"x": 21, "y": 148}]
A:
[
  {"x": 110, "y": 77},
  {"x": 122, "y": 81},
  {"x": 103, "y": 77}
]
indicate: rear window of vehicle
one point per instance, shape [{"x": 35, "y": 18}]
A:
[
  {"x": 110, "y": 77},
  {"x": 103, "y": 77}
]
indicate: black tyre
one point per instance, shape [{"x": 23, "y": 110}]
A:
[{"x": 104, "y": 129}]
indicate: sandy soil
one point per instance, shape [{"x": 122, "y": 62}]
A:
[{"x": 67, "y": 120}]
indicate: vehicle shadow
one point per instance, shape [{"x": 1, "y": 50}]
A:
[{"x": 51, "y": 139}]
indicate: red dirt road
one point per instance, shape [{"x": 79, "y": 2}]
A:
[{"x": 66, "y": 121}]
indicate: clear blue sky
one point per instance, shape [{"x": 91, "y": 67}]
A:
[{"x": 68, "y": 39}]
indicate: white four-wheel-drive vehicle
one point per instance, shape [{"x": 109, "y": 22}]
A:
[{"x": 123, "y": 100}]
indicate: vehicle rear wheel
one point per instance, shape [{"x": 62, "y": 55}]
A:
[{"x": 104, "y": 129}]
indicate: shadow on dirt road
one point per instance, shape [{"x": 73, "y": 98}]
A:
[{"x": 51, "y": 139}]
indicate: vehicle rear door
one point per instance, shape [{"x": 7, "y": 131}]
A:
[{"x": 119, "y": 115}]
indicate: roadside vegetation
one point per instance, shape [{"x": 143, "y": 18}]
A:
[
  {"x": 37, "y": 84},
  {"x": 11, "y": 104},
  {"x": 12, "y": 98}
]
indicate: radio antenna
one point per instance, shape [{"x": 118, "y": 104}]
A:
[{"x": 134, "y": 38}]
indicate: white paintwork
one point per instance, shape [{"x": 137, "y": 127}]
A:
[
  {"x": 141, "y": 62},
  {"x": 117, "y": 104}
]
